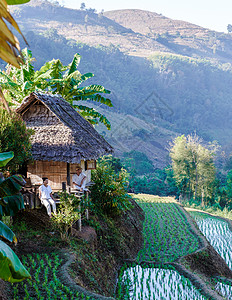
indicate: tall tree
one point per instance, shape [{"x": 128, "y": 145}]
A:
[{"x": 193, "y": 167}]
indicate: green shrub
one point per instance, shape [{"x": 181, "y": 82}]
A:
[
  {"x": 67, "y": 215},
  {"x": 14, "y": 136},
  {"x": 109, "y": 192}
]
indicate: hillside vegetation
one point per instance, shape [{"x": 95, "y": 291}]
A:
[{"x": 169, "y": 74}]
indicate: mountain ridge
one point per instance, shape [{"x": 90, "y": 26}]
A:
[
  {"x": 135, "y": 32},
  {"x": 190, "y": 74}
]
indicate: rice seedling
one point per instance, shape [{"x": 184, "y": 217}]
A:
[
  {"x": 45, "y": 283},
  {"x": 167, "y": 234},
  {"x": 155, "y": 284},
  {"x": 219, "y": 235},
  {"x": 224, "y": 289}
]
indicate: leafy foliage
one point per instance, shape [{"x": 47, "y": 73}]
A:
[
  {"x": 193, "y": 167},
  {"x": 55, "y": 78},
  {"x": 11, "y": 201},
  {"x": 156, "y": 182},
  {"x": 109, "y": 194},
  {"x": 9, "y": 43},
  {"x": 14, "y": 136},
  {"x": 67, "y": 214},
  {"x": 137, "y": 163}
]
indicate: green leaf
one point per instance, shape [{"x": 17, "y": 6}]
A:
[
  {"x": 46, "y": 67},
  {"x": 7, "y": 233},
  {"x": 5, "y": 158},
  {"x": 101, "y": 99},
  {"x": 26, "y": 85},
  {"x": 87, "y": 76},
  {"x": 10, "y": 199},
  {"x": 16, "y": 2},
  {"x": 96, "y": 88},
  {"x": 11, "y": 268},
  {"x": 93, "y": 116},
  {"x": 74, "y": 64},
  {"x": 11, "y": 204},
  {"x": 11, "y": 186}
]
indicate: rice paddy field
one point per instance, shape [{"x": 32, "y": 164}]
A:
[
  {"x": 219, "y": 235},
  {"x": 167, "y": 233},
  {"x": 167, "y": 237},
  {"x": 155, "y": 283},
  {"x": 46, "y": 284}
]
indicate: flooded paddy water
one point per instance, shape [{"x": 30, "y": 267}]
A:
[
  {"x": 218, "y": 233},
  {"x": 167, "y": 237}
]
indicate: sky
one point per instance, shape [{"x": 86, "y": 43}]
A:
[{"x": 212, "y": 14}]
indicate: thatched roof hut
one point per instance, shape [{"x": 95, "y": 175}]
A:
[{"x": 61, "y": 134}]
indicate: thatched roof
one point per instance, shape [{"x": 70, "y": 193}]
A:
[{"x": 61, "y": 134}]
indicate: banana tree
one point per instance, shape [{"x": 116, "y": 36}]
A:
[
  {"x": 11, "y": 269},
  {"x": 56, "y": 78},
  {"x": 9, "y": 45}
]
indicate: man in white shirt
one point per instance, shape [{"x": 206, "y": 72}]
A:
[
  {"x": 79, "y": 180},
  {"x": 45, "y": 195}
]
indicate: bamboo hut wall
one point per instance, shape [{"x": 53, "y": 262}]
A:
[{"x": 56, "y": 172}]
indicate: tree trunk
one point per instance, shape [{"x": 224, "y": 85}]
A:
[
  {"x": 196, "y": 183},
  {"x": 202, "y": 199}
]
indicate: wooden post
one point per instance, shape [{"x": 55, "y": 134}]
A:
[
  {"x": 68, "y": 174},
  {"x": 63, "y": 186},
  {"x": 79, "y": 221},
  {"x": 87, "y": 211}
]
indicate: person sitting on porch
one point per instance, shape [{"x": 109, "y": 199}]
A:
[
  {"x": 45, "y": 195},
  {"x": 79, "y": 180}
]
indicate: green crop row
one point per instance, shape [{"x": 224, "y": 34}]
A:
[
  {"x": 139, "y": 283},
  {"x": 45, "y": 282},
  {"x": 167, "y": 233}
]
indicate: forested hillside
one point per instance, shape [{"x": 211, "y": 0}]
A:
[{"x": 172, "y": 75}]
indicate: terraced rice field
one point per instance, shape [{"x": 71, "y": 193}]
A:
[
  {"x": 219, "y": 235},
  {"x": 45, "y": 283},
  {"x": 140, "y": 283},
  {"x": 167, "y": 237},
  {"x": 167, "y": 233}
]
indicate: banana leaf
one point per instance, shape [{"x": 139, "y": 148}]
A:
[
  {"x": 7, "y": 233},
  {"x": 5, "y": 158},
  {"x": 11, "y": 201},
  {"x": 11, "y": 186},
  {"x": 11, "y": 268},
  {"x": 10, "y": 205},
  {"x": 16, "y": 2}
]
